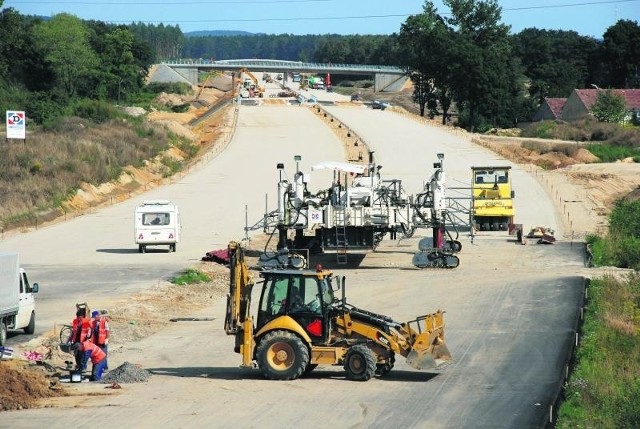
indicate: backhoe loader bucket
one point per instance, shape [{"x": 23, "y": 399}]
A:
[
  {"x": 429, "y": 350},
  {"x": 433, "y": 358}
]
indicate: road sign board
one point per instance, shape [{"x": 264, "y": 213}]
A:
[{"x": 16, "y": 124}]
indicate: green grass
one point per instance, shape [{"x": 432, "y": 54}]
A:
[
  {"x": 604, "y": 388},
  {"x": 621, "y": 246},
  {"x": 611, "y": 153},
  {"x": 172, "y": 166},
  {"x": 191, "y": 276}
]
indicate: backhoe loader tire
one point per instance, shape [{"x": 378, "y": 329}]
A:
[
  {"x": 281, "y": 355},
  {"x": 360, "y": 363}
]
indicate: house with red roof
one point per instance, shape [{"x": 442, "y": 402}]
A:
[
  {"x": 550, "y": 109},
  {"x": 580, "y": 102}
]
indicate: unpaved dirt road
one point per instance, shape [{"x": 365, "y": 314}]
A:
[{"x": 511, "y": 309}]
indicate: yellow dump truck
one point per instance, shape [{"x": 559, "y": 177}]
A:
[{"x": 492, "y": 198}]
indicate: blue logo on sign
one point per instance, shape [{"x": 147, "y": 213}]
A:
[{"x": 14, "y": 118}]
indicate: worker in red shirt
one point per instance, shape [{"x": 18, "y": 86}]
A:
[
  {"x": 80, "y": 330},
  {"x": 88, "y": 350},
  {"x": 100, "y": 333},
  {"x": 80, "y": 327}
]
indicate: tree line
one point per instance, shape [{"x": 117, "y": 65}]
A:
[
  {"x": 467, "y": 60},
  {"x": 48, "y": 65}
]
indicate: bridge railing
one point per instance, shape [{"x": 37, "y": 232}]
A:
[{"x": 286, "y": 65}]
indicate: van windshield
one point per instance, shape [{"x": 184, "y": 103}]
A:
[{"x": 155, "y": 218}]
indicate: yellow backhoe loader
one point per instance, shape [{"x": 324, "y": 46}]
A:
[{"x": 300, "y": 324}]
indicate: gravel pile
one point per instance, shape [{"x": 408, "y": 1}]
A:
[{"x": 126, "y": 373}]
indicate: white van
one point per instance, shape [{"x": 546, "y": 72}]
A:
[
  {"x": 17, "y": 302},
  {"x": 157, "y": 223}
]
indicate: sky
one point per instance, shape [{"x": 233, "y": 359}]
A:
[{"x": 586, "y": 17}]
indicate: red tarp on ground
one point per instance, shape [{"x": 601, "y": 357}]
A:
[{"x": 221, "y": 256}]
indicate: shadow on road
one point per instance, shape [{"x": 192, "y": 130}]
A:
[
  {"x": 230, "y": 373},
  {"x": 128, "y": 251}
]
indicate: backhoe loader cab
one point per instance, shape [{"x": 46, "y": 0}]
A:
[
  {"x": 301, "y": 324},
  {"x": 305, "y": 296}
]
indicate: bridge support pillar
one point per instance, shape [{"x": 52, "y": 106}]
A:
[
  {"x": 388, "y": 82},
  {"x": 191, "y": 74}
]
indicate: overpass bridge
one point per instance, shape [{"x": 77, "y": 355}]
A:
[{"x": 385, "y": 78}]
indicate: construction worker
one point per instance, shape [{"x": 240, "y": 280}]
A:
[
  {"x": 100, "y": 333},
  {"x": 88, "y": 350},
  {"x": 80, "y": 330}
]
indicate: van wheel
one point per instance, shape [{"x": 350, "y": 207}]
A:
[
  {"x": 172, "y": 248},
  {"x": 31, "y": 327},
  {"x": 3, "y": 333}
]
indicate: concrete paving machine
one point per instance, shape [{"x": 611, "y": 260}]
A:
[
  {"x": 354, "y": 213},
  {"x": 300, "y": 324},
  {"x": 431, "y": 211}
]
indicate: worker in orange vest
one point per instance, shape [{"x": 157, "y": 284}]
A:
[
  {"x": 100, "y": 333},
  {"x": 80, "y": 330},
  {"x": 88, "y": 350}
]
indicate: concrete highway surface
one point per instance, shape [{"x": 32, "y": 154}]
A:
[{"x": 511, "y": 310}]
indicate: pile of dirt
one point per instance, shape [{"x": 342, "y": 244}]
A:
[
  {"x": 169, "y": 99},
  {"x": 542, "y": 154},
  {"x": 126, "y": 373},
  {"x": 23, "y": 383}
]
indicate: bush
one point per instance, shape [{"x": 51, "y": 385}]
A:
[
  {"x": 626, "y": 252},
  {"x": 625, "y": 218},
  {"x": 566, "y": 131},
  {"x": 627, "y": 138},
  {"x": 541, "y": 130},
  {"x": 181, "y": 108},
  {"x": 42, "y": 108},
  {"x": 585, "y": 130},
  {"x": 609, "y": 107},
  {"x": 94, "y": 110},
  {"x": 603, "y": 131},
  {"x": 621, "y": 247}
]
